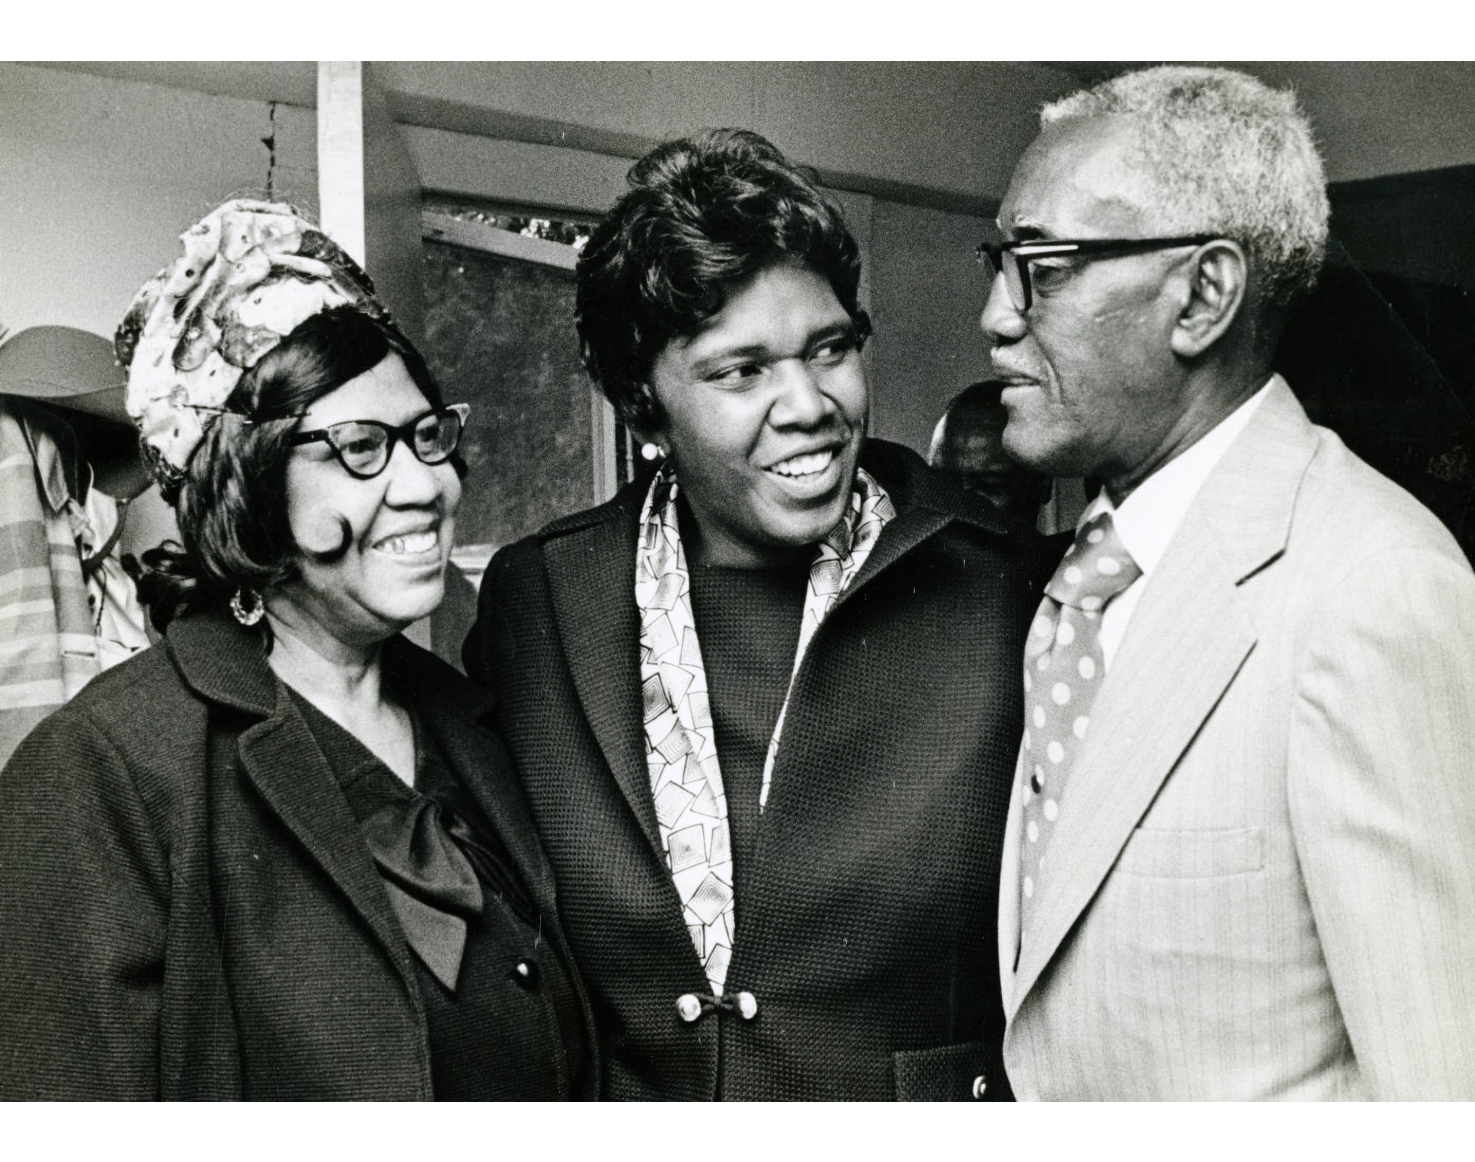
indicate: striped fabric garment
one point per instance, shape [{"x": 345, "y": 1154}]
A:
[{"x": 47, "y": 648}]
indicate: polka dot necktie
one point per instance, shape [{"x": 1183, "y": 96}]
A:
[{"x": 1062, "y": 670}]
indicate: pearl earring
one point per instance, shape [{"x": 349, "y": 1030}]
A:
[{"x": 649, "y": 451}]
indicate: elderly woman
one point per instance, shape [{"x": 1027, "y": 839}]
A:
[
  {"x": 765, "y": 701},
  {"x": 246, "y": 863}
]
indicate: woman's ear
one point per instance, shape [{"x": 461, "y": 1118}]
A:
[
  {"x": 1218, "y": 282},
  {"x": 647, "y": 425}
]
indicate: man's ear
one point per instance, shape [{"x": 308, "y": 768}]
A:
[{"x": 1218, "y": 283}]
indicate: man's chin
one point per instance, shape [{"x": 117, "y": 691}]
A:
[
  {"x": 1044, "y": 445},
  {"x": 1036, "y": 454}
]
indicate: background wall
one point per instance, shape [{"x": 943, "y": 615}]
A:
[
  {"x": 1371, "y": 117},
  {"x": 928, "y": 296},
  {"x": 952, "y": 128},
  {"x": 103, "y": 163},
  {"x": 941, "y": 133},
  {"x": 920, "y": 280},
  {"x": 98, "y": 177}
]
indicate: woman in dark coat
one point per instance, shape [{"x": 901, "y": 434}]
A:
[
  {"x": 246, "y": 863},
  {"x": 765, "y": 702}
]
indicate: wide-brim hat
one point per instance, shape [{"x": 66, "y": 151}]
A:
[{"x": 66, "y": 367}]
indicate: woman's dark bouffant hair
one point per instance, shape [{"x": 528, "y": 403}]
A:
[
  {"x": 232, "y": 506},
  {"x": 703, "y": 215}
]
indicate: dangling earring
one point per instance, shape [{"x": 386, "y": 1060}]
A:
[
  {"x": 649, "y": 451},
  {"x": 247, "y": 617}
]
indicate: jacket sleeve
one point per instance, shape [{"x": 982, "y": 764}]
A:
[
  {"x": 488, "y": 646},
  {"x": 83, "y": 916},
  {"x": 1382, "y": 798}
]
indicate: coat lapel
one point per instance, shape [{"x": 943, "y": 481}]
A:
[
  {"x": 923, "y": 508},
  {"x": 903, "y": 533},
  {"x": 451, "y": 707},
  {"x": 283, "y": 762},
  {"x": 591, "y": 577},
  {"x": 590, "y": 561},
  {"x": 1187, "y": 639}
]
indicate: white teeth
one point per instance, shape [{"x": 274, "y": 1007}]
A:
[
  {"x": 411, "y": 543},
  {"x": 806, "y": 465}
]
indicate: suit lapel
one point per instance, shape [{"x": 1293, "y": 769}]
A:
[
  {"x": 1186, "y": 642},
  {"x": 591, "y": 577}
]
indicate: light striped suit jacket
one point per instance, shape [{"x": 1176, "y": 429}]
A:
[{"x": 1262, "y": 880}]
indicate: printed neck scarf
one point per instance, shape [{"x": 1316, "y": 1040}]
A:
[{"x": 681, "y": 748}]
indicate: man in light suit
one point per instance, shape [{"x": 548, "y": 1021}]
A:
[{"x": 1240, "y": 861}]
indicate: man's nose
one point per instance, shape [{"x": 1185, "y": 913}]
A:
[
  {"x": 1001, "y": 321},
  {"x": 801, "y": 400}
]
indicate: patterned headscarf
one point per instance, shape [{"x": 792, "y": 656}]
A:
[{"x": 250, "y": 274}]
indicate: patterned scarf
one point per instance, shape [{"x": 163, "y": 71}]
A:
[{"x": 681, "y": 747}]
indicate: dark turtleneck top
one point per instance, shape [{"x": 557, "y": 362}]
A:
[{"x": 748, "y": 625}]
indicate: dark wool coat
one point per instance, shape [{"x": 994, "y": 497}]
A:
[
  {"x": 187, "y": 906},
  {"x": 867, "y": 935}
]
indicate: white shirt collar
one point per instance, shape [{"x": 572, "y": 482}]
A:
[{"x": 1148, "y": 519}]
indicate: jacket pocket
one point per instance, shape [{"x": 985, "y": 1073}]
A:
[
  {"x": 971, "y": 1071},
  {"x": 1193, "y": 854}
]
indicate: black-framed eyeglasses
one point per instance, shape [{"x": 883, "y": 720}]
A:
[
  {"x": 363, "y": 447},
  {"x": 1012, "y": 259}
]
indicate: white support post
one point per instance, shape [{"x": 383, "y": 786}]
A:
[{"x": 341, "y": 154}]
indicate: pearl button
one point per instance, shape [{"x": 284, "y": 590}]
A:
[
  {"x": 528, "y": 974},
  {"x": 689, "y": 1007},
  {"x": 747, "y": 1005}
]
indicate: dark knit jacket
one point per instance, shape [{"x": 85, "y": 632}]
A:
[
  {"x": 867, "y": 934},
  {"x": 188, "y": 908}
]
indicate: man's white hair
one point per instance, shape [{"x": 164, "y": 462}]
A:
[{"x": 1223, "y": 153}]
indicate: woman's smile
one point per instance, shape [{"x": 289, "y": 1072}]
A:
[
  {"x": 810, "y": 475},
  {"x": 419, "y": 544}
]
